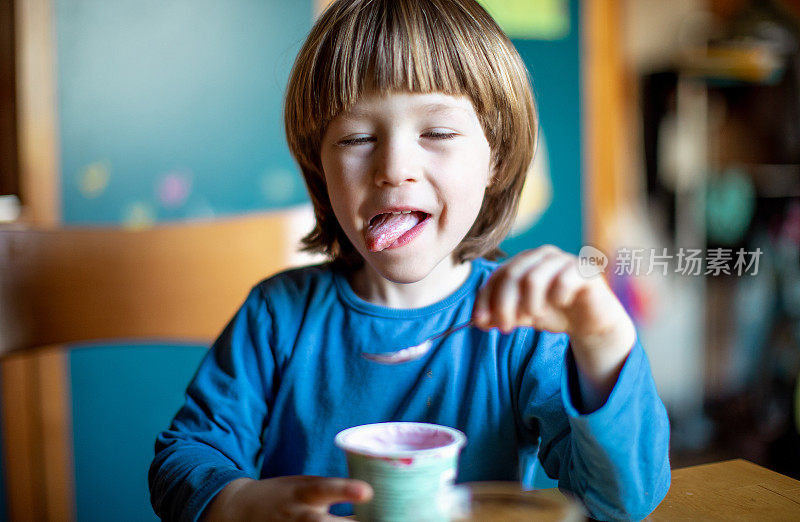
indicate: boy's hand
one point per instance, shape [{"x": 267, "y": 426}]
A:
[
  {"x": 301, "y": 498},
  {"x": 542, "y": 288}
]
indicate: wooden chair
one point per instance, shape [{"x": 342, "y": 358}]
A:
[{"x": 167, "y": 286}]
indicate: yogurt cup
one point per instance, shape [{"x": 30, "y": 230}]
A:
[{"x": 411, "y": 467}]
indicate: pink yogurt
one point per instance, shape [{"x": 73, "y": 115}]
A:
[{"x": 400, "y": 439}]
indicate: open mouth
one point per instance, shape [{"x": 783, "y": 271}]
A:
[{"x": 394, "y": 229}]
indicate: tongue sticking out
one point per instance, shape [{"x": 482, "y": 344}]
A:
[{"x": 386, "y": 228}]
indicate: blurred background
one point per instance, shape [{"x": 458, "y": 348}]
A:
[{"x": 146, "y": 185}]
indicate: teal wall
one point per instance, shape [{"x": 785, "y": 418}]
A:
[
  {"x": 122, "y": 396},
  {"x": 171, "y": 109},
  {"x": 556, "y": 71}
]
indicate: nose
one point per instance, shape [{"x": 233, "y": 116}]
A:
[{"x": 395, "y": 164}]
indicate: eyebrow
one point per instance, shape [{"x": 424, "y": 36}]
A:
[
  {"x": 430, "y": 108},
  {"x": 442, "y": 107}
]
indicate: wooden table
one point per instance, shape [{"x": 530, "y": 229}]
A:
[{"x": 730, "y": 490}]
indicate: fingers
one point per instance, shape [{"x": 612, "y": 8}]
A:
[
  {"x": 537, "y": 284},
  {"x": 566, "y": 285},
  {"x": 531, "y": 289},
  {"x": 497, "y": 304},
  {"x": 321, "y": 491}
]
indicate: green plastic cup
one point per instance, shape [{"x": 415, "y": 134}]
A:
[{"x": 411, "y": 467}]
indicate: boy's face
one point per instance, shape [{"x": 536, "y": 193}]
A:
[{"x": 406, "y": 174}]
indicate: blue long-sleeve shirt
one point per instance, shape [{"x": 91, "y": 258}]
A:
[{"x": 287, "y": 374}]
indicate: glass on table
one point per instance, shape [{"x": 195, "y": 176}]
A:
[{"x": 508, "y": 502}]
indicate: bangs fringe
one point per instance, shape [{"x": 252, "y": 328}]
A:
[{"x": 405, "y": 46}]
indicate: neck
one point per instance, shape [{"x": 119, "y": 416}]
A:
[{"x": 442, "y": 281}]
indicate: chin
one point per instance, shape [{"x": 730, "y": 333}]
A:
[{"x": 401, "y": 271}]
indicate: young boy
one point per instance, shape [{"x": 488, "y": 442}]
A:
[{"x": 414, "y": 124}]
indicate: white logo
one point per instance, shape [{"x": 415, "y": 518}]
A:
[{"x": 591, "y": 261}]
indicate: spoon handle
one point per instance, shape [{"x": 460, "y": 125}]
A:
[
  {"x": 451, "y": 330},
  {"x": 411, "y": 353}
]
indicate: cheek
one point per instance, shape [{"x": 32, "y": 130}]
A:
[
  {"x": 470, "y": 176},
  {"x": 341, "y": 199},
  {"x": 465, "y": 198},
  {"x": 344, "y": 201},
  {"x": 333, "y": 183},
  {"x": 345, "y": 170},
  {"x": 335, "y": 175}
]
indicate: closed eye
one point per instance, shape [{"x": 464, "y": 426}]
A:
[
  {"x": 436, "y": 135},
  {"x": 356, "y": 141}
]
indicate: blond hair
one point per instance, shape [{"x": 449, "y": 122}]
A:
[{"x": 421, "y": 46}]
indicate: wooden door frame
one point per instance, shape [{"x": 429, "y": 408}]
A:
[
  {"x": 608, "y": 97},
  {"x": 37, "y": 115}
]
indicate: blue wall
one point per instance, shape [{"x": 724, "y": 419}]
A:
[
  {"x": 122, "y": 397},
  {"x": 556, "y": 71},
  {"x": 172, "y": 109}
]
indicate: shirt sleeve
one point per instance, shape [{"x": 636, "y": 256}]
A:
[
  {"x": 614, "y": 459},
  {"x": 216, "y": 435}
]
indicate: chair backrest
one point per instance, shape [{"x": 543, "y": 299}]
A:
[
  {"x": 150, "y": 301},
  {"x": 182, "y": 280}
]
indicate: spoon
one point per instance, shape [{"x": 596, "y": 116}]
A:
[{"x": 412, "y": 352}]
